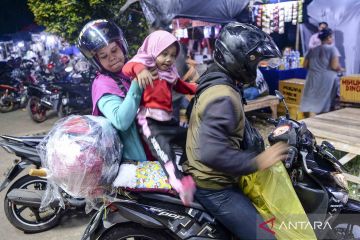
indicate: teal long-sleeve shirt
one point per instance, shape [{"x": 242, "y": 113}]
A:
[{"x": 121, "y": 112}]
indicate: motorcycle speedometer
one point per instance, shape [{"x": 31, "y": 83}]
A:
[
  {"x": 281, "y": 130},
  {"x": 280, "y": 133}
]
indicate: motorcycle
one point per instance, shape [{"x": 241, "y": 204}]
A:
[
  {"x": 315, "y": 174},
  {"x": 23, "y": 198},
  {"x": 43, "y": 97},
  {"x": 12, "y": 96},
  {"x": 13, "y": 89},
  {"x": 70, "y": 95},
  {"x": 76, "y": 93}
]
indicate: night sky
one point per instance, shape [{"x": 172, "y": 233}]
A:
[{"x": 14, "y": 16}]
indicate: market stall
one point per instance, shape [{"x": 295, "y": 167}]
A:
[{"x": 198, "y": 37}]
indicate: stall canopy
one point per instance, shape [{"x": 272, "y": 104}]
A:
[{"x": 159, "y": 13}]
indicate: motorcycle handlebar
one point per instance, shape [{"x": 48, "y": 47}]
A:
[
  {"x": 272, "y": 121},
  {"x": 38, "y": 172},
  {"x": 291, "y": 156}
]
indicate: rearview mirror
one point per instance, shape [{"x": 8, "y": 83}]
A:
[
  {"x": 279, "y": 95},
  {"x": 282, "y": 99}
]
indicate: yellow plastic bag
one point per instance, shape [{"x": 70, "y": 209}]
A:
[{"x": 274, "y": 197}]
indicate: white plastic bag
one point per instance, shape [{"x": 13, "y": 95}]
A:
[{"x": 82, "y": 156}]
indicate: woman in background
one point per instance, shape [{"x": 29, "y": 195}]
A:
[{"x": 321, "y": 83}]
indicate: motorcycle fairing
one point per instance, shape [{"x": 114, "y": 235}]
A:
[
  {"x": 16, "y": 169},
  {"x": 161, "y": 212},
  {"x": 351, "y": 207}
]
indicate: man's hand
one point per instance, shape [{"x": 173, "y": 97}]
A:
[{"x": 275, "y": 153}]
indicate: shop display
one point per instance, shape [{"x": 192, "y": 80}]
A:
[{"x": 272, "y": 17}]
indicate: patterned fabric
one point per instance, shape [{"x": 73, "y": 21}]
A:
[{"x": 150, "y": 174}]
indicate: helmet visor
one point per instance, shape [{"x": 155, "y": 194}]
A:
[
  {"x": 267, "y": 49},
  {"x": 272, "y": 62}
]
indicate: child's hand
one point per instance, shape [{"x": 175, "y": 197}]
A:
[{"x": 145, "y": 78}]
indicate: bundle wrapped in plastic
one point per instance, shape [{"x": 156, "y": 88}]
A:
[{"x": 82, "y": 156}]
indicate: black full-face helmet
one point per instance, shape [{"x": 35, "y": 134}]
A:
[
  {"x": 98, "y": 34},
  {"x": 239, "y": 49}
]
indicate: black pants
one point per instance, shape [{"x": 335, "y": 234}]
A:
[{"x": 163, "y": 136}]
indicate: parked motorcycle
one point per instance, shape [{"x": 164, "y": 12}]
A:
[
  {"x": 315, "y": 173},
  {"x": 13, "y": 87},
  {"x": 23, "y": 198},
  {"x": 77, "y": 91},
  {"x": 70, "y": 95},
  {"x": 42, "y": 98},
  {"x": 12, "y": 96}
]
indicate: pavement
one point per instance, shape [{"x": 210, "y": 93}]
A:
[{"x": 18, "y": 123}]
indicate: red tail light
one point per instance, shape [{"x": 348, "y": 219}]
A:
[{"x": 50, "y": 66}]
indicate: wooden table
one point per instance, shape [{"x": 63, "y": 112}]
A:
[
  {"x": 342, "y": 129},
  {"x": 262, "y": 102}
]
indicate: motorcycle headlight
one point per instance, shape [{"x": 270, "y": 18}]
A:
[
  {"x": 340, "y": 180},
  {"x": 341, "y": 196},
  {"x": 65, "y": 101}
]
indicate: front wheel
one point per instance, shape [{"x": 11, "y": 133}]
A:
[
  {"x": 134, "y": 232},
  {"x": 63, "y": 111},
  {"x": 31, "y": 219},
  {"x": 6, "y": 102},
  {"x": 36, "y": 111}
]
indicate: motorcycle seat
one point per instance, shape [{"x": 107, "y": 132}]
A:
[
  {"x": 170, "y": 199},
  {"x": 27, "y": 140},
  {"x": 22, "y": 151}
]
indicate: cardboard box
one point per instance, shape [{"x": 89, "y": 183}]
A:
[
  {"x": 294, "y": 111},
  {"x": 292, "y": 89},
  {"x": 350, "y": 89}
]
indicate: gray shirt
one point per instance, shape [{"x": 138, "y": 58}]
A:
[{"x": 321, "y": 81}]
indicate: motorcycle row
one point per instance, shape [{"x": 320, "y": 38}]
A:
[
  {"x": 316, "y": 175},
  {"x": 63, "y": 85}
]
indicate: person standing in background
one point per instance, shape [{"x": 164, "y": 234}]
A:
[
  {"x": 314, "y": 39},
  {"x": 321, "y": 82}
]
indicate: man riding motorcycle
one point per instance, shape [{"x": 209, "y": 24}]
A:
[{"x": 221, "y": 145}]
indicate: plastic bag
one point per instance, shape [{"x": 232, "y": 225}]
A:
[
  {"x": 274, "y": 197},
  {"x": 82, "y": 155}
]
